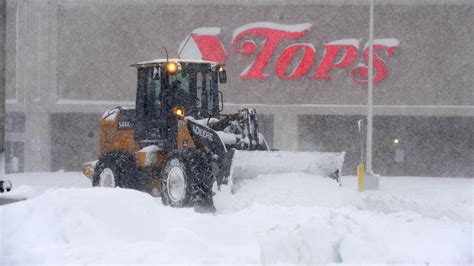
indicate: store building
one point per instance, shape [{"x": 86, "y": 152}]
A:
[{"x": 300, "y": 64}]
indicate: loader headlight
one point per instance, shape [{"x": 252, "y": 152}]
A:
[
  {"x": 171, "y": 68},
  {"x": 179, "y": 111}
]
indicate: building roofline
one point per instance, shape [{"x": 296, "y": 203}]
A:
[{"x": 249, "y": 2}]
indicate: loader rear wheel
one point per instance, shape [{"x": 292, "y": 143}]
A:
[
  {"x": 186, "y": 181},
  {"x": 118, "y": 170},
  {"x": 107, "y": 178}
]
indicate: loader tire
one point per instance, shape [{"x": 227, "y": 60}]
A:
[
  {"x": 186, "y": 181},
  {"x": 121, "y": 168}
]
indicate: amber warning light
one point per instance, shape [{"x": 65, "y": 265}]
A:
[
  {"x": 179, "y": 111},
  {"x": 171, "y": 68}
]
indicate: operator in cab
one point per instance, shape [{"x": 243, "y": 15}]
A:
[{"x": 182, "y": 97}]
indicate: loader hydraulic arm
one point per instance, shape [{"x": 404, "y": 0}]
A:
[{"x": 224, "y": 122}]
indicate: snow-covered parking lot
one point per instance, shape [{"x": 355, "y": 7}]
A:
[{"x": 288, "y": 218}]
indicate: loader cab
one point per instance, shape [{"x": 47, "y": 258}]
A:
[{"x": 163, "y": 86}]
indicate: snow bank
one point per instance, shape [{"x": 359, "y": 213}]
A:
[
  {"x": 280, "y": 218},
  {"x": 33, "y": 184},
  {"x": 436, "y": 198},
  {"x": 311, "y": 220},
  {"x": 100, "y": 225},
  {"x": 352, "y": 236}
]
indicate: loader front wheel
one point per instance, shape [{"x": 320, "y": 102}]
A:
[{"x": 186, "y": 181}]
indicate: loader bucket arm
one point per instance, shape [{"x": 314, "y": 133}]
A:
[
  {"x": 210, "y": 140},
  {"x": 206, "y": 137}
]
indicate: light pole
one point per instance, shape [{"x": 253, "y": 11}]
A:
[
  {"x": 372, "y": 181},
  {"x": 370, "y": 88}
]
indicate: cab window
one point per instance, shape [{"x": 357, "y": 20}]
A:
[{"x": 154, "y": 91}]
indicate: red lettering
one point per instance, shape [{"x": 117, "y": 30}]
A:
[
  {"x": 302, "y": 67},
  {"x": 273, "y": 34},
  {"x": 261, "y": 40},
  {"x": 360, "y": 73},
  {"x": 211, "y": 48},
  {"x": 349, "y": 49}
]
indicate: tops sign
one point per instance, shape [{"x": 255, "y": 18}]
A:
[{"x": 204, "y": 43}]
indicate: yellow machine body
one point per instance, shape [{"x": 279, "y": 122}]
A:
[{"x": 112, "y": 139}]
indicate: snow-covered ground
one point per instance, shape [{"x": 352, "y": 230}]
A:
[{"x": 288, "y": 218}]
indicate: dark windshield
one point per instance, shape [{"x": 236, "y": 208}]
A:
[{"x": 194, "y": 87}]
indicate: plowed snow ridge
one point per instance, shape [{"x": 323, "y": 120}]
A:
[{"x": 291, "y": 218}]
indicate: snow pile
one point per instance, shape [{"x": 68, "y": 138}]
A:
[
  {"x": 350, "y": 236},
  {"x": 279, "y": 218},
  {"x": 37, "y": 230},
  {"x": 100, "y": 225},
  {"x": 285, "y": 190}
]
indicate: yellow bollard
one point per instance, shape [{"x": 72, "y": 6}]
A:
[{"x": 360, "y": 176}]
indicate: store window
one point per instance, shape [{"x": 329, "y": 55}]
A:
[
  {"x": 14, "y": 143},
  {"x": 14, "y": 157}
]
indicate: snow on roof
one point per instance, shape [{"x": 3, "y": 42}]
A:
[
  {"x": 390, "y": 42},
  {"x": 349, "y": 42},
  {"x": 176, "y": 60},
  {"x": 271, "y": 25}
]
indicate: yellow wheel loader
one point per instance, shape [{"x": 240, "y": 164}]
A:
[{"x": 177, "y": 144}]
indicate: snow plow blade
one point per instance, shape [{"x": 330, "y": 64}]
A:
[{"x": 250, "y": 164}]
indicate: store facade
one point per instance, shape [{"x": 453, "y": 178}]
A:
[{"x": 302, "y": 65}]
